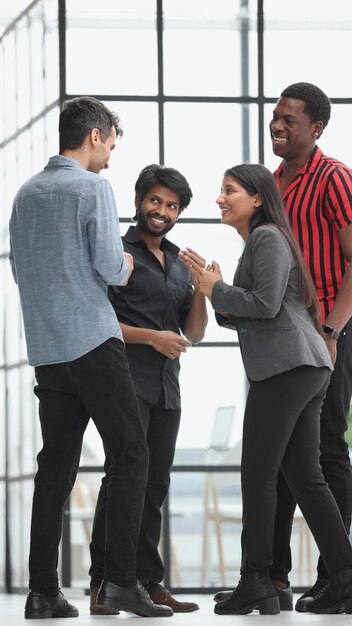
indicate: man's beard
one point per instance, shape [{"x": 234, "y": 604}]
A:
[{"x": 143, "y": 224}]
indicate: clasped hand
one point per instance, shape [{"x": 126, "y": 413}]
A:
[{"x": 203, "y": 277}]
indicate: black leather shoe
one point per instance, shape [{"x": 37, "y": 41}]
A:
[
  {"x": 134, "y": 599},
  {"x": 41, "y": 606},
  {"x": 254, "y": 590},
  {"x": 285, "y": 597},
  {"x": 315, "y": 592},
  {"x": 338, "y": 596}
]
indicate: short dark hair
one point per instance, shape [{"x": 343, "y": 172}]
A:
[
  {"x": 79, "y": 116},
  {"x": 257, "y": 179},
  {"x": 317, "y": 103},
  {"x": 167, "y": 177}
]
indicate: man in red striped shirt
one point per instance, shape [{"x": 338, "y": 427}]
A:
[{"x": 317, "y": 192}]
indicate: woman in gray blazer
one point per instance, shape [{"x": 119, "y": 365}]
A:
[{"x": 274, "y": 308}]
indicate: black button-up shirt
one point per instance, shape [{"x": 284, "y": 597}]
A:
[{"x": 157, "y": 299}]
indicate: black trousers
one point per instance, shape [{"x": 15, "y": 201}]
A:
[
  {"x": 161, "y": 427},
  {"x": 334, "y": 460},
  {"x": 97, "y": 385},
  {"x": 281, "y": 429}
]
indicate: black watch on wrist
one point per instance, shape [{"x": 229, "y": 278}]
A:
[{"x": 329, "y": 330}]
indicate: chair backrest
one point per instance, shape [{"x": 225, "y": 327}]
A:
[{"x": 222, "y": 427}]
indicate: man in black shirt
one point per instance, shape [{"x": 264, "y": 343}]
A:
[{"x": 161, "y": 314}]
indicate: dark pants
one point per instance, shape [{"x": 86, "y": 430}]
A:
[
  {"x": 161, "y": 428},
  {"x": 97, "y": 385},
  {"x": 334, "y": 460},
  {"x": 281, "y": 429}
]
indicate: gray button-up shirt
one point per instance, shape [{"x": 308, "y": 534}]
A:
[{"x": 65, "y": 250}]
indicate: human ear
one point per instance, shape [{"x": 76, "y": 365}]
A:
[
  {"x": 94, "y": 135},
  {"x": 258, "y": 200}
]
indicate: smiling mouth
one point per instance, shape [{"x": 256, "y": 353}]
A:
[
  {"x": 158, "y": 220},
  {"x": 277, "y": 139}
]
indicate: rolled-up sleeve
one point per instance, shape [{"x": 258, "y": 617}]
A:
[{"x": 103, "y": 230}]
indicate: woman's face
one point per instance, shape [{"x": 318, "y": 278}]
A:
[{"x": 236, "y": 205}]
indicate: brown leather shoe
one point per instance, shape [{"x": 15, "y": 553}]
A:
[
  {"x": 160, "y": 595},
  {"x": 99, "y": 610}
]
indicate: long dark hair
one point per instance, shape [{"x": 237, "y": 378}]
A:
[{"x": 257, "y": 179}]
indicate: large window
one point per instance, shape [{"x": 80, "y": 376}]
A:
[{"x": 194, "y": 83}]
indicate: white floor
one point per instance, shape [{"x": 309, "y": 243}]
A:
[{"x": 11, "y": 614}]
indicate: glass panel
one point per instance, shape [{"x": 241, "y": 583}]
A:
[
  {"x": 8, "y": 94},
  {"x": 206, "y": 523},
  {"x": 24, "y": 156},
  {"x": 37, "y": 93},
  {"x": 23, "y": 73},
  {"x": 137, "y": 148},
  {"x": 14, "y": 346},
  {"x": 51, "y": 135},
  {"x": 14, "y": 406},
  {"x": 210, "y": 48},
  {"x": 332, "y": 142},
  {"x": 82, "y": 507},
  {"x": 194, "y": 549},
  {"x": 2, "y": 420},
  {"x": 301, "y": 31},
  {"x": 4, "y": 239},
  {"x": 20, "y": 517},
  {"x": 29, "y": 422},
  {"x": 223, "y": 367},
  {"x": 23, "y": 423},
  {"x": 202, "y": 141},
  {"x": 214, "y": 242},
  {"x": 2, "y": 535},
  {"x": 11, "y": 179},
  {"x": 125, "y": 33},
  {"x": 51, "y": 51}
]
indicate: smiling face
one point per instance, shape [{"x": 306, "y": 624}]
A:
[
  {"x": 293, "y": 134},
  {"x": 237, "y": 205},
  {"x": 158, "y": 211}
]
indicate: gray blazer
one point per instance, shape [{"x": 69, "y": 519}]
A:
[{"x": 275, "y": 331}]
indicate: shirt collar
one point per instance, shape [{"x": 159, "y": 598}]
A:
[
  {"x": 63, "y": 161},
  {"x": 308, "y": 168},
  {"x": 132, "y": 236}
]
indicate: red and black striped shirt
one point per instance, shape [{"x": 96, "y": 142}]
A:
[{"x": 319, "y": 203}]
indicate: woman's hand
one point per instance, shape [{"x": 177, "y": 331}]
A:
[{"x": 203, "y": 278}]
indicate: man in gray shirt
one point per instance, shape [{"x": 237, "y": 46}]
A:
[{"x": 65, "y": 250}]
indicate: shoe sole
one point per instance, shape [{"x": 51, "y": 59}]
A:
[
  {"x": 245, "y": 611},
  {"x": 288, "y": 606},
  {"x": 267, "y": 606},
  {"x": 122, "y": 607},
  {"x": 104, "y": 612},
  {"x": 284, "y": 606},
  {"x": 47, "y": 614}
]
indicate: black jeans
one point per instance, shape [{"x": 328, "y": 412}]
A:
[
  {"x": 97, "y": 385},
  {"x": 161, "y": 428},
  {"x": 334, "y": 460},
  {"x": 281, "y": 429}
]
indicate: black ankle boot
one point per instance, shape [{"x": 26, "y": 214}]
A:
[
  {"x": 338, "y": 596},
  {"x": 254, "y": 590}
]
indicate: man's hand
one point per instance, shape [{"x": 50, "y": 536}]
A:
[{"x": 170, "y": 344}]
